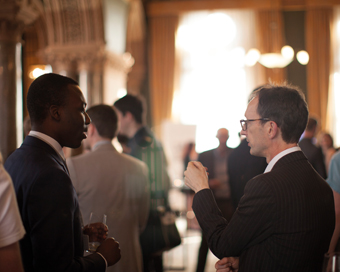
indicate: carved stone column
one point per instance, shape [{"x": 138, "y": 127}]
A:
[
  {"x": 136, "y": 44},
  {"x": 62, "y": 59},
  {"x": 13, "y": 17},
  {"x": 91, "y": 76}
]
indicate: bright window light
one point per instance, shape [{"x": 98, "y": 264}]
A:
[
  {"x": 38, "y": 70},
  {"x": 252, "y": 57},
  {"x": 214, "y": 82},
  {"x": 121, "y": 93},
  {"x": 336, "y": 117}
]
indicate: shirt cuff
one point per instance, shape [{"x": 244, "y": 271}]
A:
[{"x": 103, "y": 258}]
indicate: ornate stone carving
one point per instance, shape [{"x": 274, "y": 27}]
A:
[{"x": 14, "y": 15}]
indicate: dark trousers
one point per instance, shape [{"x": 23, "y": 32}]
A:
[
  {"x": 153, "y": 263},
  {"x": 227, "y": 210}
]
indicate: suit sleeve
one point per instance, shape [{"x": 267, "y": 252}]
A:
[
  {"x": 251, "y": 223},
  {"x": 55, "y": 229}
]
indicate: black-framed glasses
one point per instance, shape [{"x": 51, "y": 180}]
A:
[{"x": 245, "y": 122}]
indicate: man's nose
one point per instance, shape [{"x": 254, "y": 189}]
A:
[{"x": 87, "y": 119}]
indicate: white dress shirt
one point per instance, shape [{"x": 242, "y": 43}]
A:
[{"x": 279, "y": 156}]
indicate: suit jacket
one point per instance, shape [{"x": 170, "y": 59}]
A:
[
  {"x": 284, "y": 221},
  {"x": 314, "y": 155},
  {"x": 207, "y": 158},
  {"x": 114, "y": 184},
  {"x": 242, "y": 167},
  {"x": 49, "y": 209}
]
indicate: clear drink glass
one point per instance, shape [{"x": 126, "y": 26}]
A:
[
  {"x": 331, "y": 262},
  {"x": 95, "y": 218}
]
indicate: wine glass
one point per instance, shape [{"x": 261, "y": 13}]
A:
[
  {"x": 331, "y": 262},
  {"x": 95, "y": 218}
]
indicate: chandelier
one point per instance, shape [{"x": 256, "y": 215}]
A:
[{"x": 276, "y": 60}]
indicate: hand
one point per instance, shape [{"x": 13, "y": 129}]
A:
[
  {"x": 110, "y": 250},
  {"x": 97, "y": 232},
  {"x": 227, "y": 264},
  {"x": 196, "y": 176}
]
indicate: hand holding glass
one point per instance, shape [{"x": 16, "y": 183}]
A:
[{"x": 96, "y": 230}]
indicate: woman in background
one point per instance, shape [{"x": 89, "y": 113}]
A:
[{"x": 328, "y": 150}]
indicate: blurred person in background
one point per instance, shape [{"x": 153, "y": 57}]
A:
[
  {"x": 327, "y": 146},
  {"x": 216, "y": 161},
  {"x": 308, "y": 147},
  {"x": 242, "y": 167},
  {"x": 11, "y": 227},
  {"x": 334, "y": 181},
  {"x": 143, "y": 145},
  {"x": 111, "y": 183}
]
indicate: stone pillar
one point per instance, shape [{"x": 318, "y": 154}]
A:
[
  {"x": 91, "y": 80},
  {"x": 62, "y": 63},
  {"x": 9, "y": 36},
  {"x": 14, "y": 16}
]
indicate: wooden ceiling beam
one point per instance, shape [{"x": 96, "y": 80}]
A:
[{"x": 176, "y": 7}]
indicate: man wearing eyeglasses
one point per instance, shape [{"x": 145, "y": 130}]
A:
[{"x": 285, "y": 220}]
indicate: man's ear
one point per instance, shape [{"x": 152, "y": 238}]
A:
[
  {"x": 55, "y": 112},
  {"x": 273, "y": 129},
  {"x": 91, "y": 129},
  {"x": 129, "y": 115}
]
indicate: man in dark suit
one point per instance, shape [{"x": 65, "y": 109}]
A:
[
  {"x": 312, "y": 152},
  {"x": 47, "y": 201},
  {"x": 286, "y": 218}
]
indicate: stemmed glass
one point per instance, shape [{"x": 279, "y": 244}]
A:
[{"x": 331, "y": 262}]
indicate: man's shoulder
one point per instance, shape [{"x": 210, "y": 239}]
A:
[
  {"x": 293, "y": 169},
  {"x": 102, "y": 156},
  {"x": 31, "y": 157},
  {"x": 336, "y": 156}
]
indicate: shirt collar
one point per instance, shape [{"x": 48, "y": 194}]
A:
[
  {"x": 279, "y": 156},
  {"x": 50, "y": 141},
  {"x": 100, "y": 143}
]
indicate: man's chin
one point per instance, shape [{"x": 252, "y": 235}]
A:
[
  {"x": 75, "y": 145},
  {"x": 254, "y": 153}
]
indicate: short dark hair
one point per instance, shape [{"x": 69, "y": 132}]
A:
[
  {"x": 287, "y": 107},
  {"x": 105, "y": 119},
  {"x": 133, "y": 104},
  {"x": 45, "y": 91},
  {"x": 122, "y": 139},
  {"x": 311, "y": 124}
]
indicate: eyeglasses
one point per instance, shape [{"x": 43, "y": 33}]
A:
[{"x": 245, "y": 122}]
